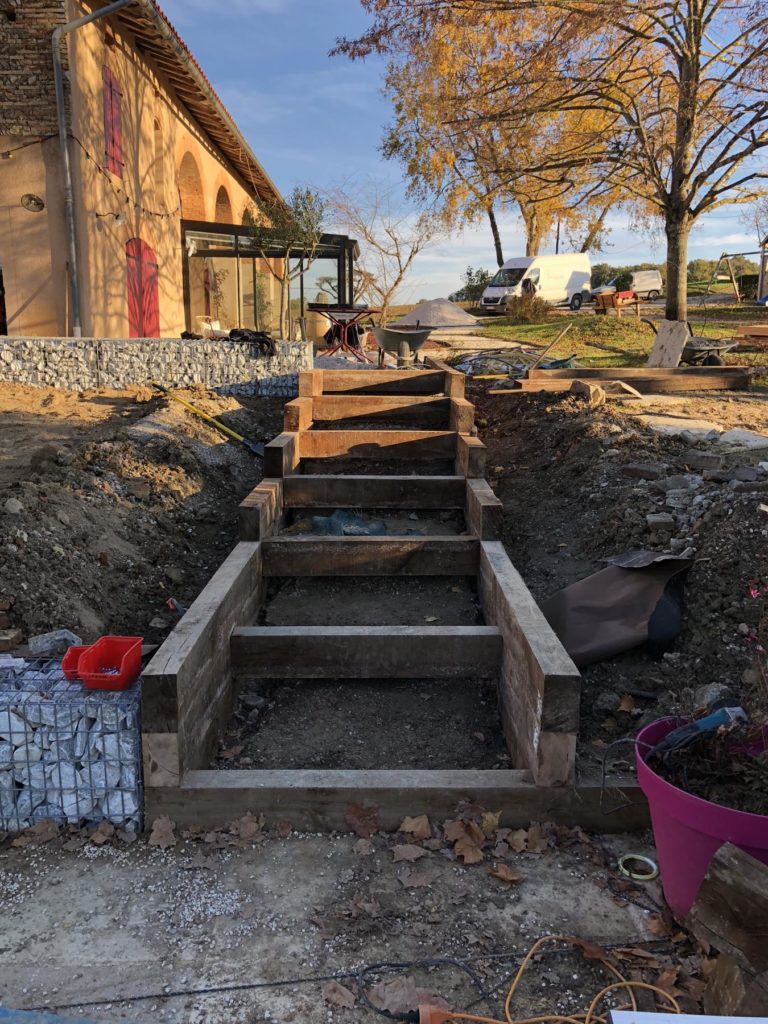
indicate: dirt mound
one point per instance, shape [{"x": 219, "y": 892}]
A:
[
  {"x": 436, "y": 313},
  {"x": 124, "y": 505},
  {"x": 570, "y": 502}
]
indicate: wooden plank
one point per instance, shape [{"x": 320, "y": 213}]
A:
[
  {"x": 724, "y": 381},
  {"x": 367, "y": 652},
  {"x": 455, "y": 381},
  {"x": 669, "y": 343},
  {"x": 187, "y": 687},
  {"x": 310, "y": 383},
  {"x": 615, "y": 372},
  {"x": 297, "y": 415},
  {"x": 752, "y": 330},
  {"x": 384, "y": 382},
  {"x": 406, "y": 492},
  {"x": 470, "y": 456},
  {"x": 281, "y": 455},
  {"x": 540, "y": 687},
  {"x": 370, "y": 556},
  {"x": 733, "y": 991},
  {"x": 731, "y": 909},
  {"x": 462, "y": 415},
  {"x": 316, "y": 800},
  {"x": 379, "y": 444},
  {"x": 260, "y": 514},
  {"x": 483, "y": 510},
  {"x": 413, "y": 410}
]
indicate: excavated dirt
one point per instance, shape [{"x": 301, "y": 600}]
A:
[
  {"x": 560, "y": 470},
  {"x": 113, "y": 502}
]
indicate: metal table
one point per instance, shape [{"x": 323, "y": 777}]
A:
[{"x": 343, "y": 317}]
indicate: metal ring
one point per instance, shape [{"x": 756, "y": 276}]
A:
[{"x": 639, "y": 876}]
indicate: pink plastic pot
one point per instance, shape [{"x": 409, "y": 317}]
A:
[{"x": 689, "y": 831}]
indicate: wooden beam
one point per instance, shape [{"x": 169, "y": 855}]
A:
[
  {"x": 470, "y": 456},
  {"x": 316, "y": 800},
  {"x": 462, "y": 415},
  {"x": 310, "y": 383},
  {"x": 367, "y": 652},
  {"x": 483, "y": 510},
  {"x": 651, "y": 372},
  {"x": 260, "y": 514},
  {"x": 406, "y": 492},
  {"x": 681, "y": 382},
  {"x": 297, "y": 415},
  {"x": 281, "y": 455},
  {"x": 370, "y": 556},
  {"x": 379, "y": 444},
  {"x": 540, "y": 687},
  {"x": 384, "y": 382},
  {"x": 414, "y": 410},
  {"x": 187, "y": 690},
  {"x": 454, "y": 381}
]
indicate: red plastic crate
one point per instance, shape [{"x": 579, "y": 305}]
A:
[
  {"x": 71, "y": 661},
  {"x": 112, "y": 663}
]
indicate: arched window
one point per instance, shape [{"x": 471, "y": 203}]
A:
[
  {"x": 113, "y": 122},
  {"x": 159, "y": 164},
  {"x": 223, "y": 207},
  {"x": 142, "y": 290},
  {"x": 191, "y": 189}
]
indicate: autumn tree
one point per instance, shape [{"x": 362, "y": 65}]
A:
[
  {"x": 287, "y": 235},
  {"x": 390, "y": 238},
  {"x": 679, "y": 85}
]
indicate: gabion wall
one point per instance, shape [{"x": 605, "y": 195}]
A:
[
  {"x": 66, "y": 753},
  {"x": 81, "y": 363}
]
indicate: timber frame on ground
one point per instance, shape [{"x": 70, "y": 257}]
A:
[{"x": 190, "y": 686}]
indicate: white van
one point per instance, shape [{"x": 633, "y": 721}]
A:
[{"x": 565, "y": 278}]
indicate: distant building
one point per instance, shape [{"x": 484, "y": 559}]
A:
[{"x": 161, "y": 174}]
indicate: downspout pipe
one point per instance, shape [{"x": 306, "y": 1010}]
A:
[{"x": 61, "y": 114}]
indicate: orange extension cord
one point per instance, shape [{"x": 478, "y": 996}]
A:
[{"x": 434, "y": 1015}]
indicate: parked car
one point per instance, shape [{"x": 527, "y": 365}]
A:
[
  {"x": 561, "y": 279},
  {"x": 647, "y": 283}
]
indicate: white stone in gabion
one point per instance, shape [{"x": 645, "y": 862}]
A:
[
  {"x": 102, "y": 776},
  {"x": 117, "y": 806},
  {"x": 32, "y": 775},
  {"x": 48, "y": 812},
  {"x": 28, "y": 753},
  {"x": 64, "y": 776},
  {"x": 13, "y": 728},
  {"x": 28, "y": 800},
  {"x": 111, "y": 716},
  {"x": 116, "y": 747},
  {"x": 82, "y": 739},
  {"x": 62, "y": 751},
  {"x": 6, "y": 755}
]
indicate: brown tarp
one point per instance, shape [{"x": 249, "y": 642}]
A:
[{"x": 610, "y": 611}]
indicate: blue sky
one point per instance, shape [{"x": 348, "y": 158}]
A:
[{"x": 316, "y": 120}]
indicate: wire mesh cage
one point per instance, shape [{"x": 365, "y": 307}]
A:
[{"x": 66, "y": 753}]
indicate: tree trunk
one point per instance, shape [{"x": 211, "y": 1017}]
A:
[
  {"x": 594, "y": 228},
  {"x": 496, "y": 235},
  {"x": 677, "y": 230},
  {"x": 533, "y": 232}
]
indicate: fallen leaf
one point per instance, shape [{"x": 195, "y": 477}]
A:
[
  {"x": 506, "y": 874},
  {"x": 500, "y": 850},
  {"x": 432, "y": 844},
  {"x": 468, "y": 850},
  {"x": 658, "y": 926},
  {"x": 417, "y": 879},
  {"x": 230, "y": 753},
  {"x": 591, "y": 950},
  {"x": 104, "y": 831},
  {"x": 490, "y": 822},
  {"x": 336, "y": 995},
  {"x": 627, "y": 703},
  {"x": 667, "y": 981},
  {"x": 248, "y": 826},
  {"x": 75, "y": 843},
  {"x": 480, "y": 736},
  {"x": 162, "y": 834},
  {"x": 400, "y": 995},
  {"x": 364, "y": 821},
  {"x": 103, "y": 558},
  {"x": 694, "y": 987},
  {"x": 537, "y": 842},
  {"x": 518, "y": 840},
  {"x": 41, "y": 832},
  {"x": 363, "y": 847},
  {"x": 284, "y": 829},
  {"x": 127, "y": 836},
  {"x": 454, "y": 830},
  {"x": 407, "y": 851},
  {"x": 199, "y": 860},
  {"x": 418, "y": 828}
]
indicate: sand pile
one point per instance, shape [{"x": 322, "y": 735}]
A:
[{"x": 436, "y": 313}]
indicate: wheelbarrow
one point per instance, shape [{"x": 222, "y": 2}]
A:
[
  {"x": 701, "y": 351},
  {"x": 403, "y": 342}
]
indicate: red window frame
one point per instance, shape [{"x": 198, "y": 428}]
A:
[{"x": 113, "y": 122}]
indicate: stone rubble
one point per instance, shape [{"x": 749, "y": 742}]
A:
[{"x": 66, "y": 753}]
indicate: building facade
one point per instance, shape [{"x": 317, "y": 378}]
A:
[{"x": 152, "y": 149}]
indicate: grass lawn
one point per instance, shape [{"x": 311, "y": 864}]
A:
[{"x": 607, "y": 341}]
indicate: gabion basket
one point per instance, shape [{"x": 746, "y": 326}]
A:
[{"x": 66, "y": 753}]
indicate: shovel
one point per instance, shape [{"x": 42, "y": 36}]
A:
[{"x": 252, "y": 446}]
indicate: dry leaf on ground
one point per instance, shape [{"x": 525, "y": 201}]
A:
[
  {"x": 537, "y": 841},
  {"x": 363, "y": 847},
  {"x": 337, "y": 995},
  {"x": 454, "y": 830},
  {"x": 284, "y": 829},
  {"x": 231, "y": 753},
  {"x": 104, "y": 831},
  {"x": 407, "y": 851},
  {"x": 417, "y": 879},
  {"x": 247, "y": 827},
  {"x": 418, "y": 828},
  {"x": 518, "y": 840},
  {"x": 364, "y": 821},
  {"x": 490, "y": 822},
  {"x": 591, "y": 950},
  {"x": 468, "y": 850},
  {"x": 162, "y": 834},
  {"x": 506, "y": 874},
  {"x": 199, "y": 861},
  {"x": 400, "y": 995},
  {"x": 627, "y": 703}
]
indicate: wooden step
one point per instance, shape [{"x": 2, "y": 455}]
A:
[
  {"x": 378, "y": 444},
  {"x": 366, "y": 652},
  {"x": 383, "y": 382},
  {"x": 406, "y": 492},
  {"x": 370, "y": 556},
  {"x": 425, "y": 411}
]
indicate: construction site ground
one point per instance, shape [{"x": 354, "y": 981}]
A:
[{"x": 126, "y": 501}]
